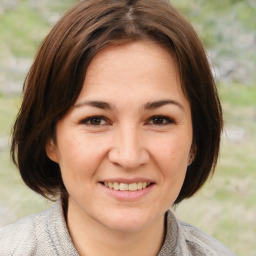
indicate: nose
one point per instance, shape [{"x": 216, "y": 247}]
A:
[{"x": 128, "y": 150}]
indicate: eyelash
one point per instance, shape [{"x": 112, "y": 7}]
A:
[
  {"x": 166, "y": 120},
  {"x": 89, "y": 120},
  {"x": 159, "y": 118}
]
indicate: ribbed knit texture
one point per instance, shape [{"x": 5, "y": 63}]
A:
[{"x": 46, "y": 233}]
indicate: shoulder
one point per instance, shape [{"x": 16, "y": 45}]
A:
[
  {"x": 200, "y": 243},
  {"x": 21, "y": 237},
  {"x": 186, "y": 240}
]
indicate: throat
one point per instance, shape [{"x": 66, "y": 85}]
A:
[{"x": 91, "y": 238}]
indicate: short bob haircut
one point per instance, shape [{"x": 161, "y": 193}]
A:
[{"x": 56, "y": 77}]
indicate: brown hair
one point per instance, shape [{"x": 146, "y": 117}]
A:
[{"x": 57, "y": 74}]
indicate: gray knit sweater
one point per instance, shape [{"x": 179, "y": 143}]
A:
[{"x": 46, "y": 233}]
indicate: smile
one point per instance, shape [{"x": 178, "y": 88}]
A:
[{"x": 127, "y": 186}]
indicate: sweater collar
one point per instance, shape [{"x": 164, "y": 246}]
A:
[{"x": 58, "y": 231}]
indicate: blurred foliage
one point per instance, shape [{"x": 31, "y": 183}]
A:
[
  {"x": 22, "y": 35},
  {"x": 227, "y": 29},
  {"x": 24, "y": 23},
  {"x": 225, "y": 208}
]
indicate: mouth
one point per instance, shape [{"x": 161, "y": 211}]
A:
[{"x": 135, "y": 186}]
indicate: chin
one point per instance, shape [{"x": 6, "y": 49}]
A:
[
  {"x": 128, "y": 226},
  {"x": 130, "y": 221}
]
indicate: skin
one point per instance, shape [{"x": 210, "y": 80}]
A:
[{"x": 129, "y": 86}]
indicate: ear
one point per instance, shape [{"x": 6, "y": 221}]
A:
[
  {"x": 51, "y": 151},
  {"x": 191, "y": 155}
]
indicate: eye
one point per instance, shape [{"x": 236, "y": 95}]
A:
[
  {"x": 160, "y": 120},
  {"x": 95, "y": 121}
]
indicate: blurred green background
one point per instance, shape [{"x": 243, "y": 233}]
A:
[{"x": 226, "y": 206}]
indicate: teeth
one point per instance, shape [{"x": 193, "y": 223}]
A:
[
  {"x": 116, "y": 186},
  {"x": 123, "y": 186},
  {"x": 126, "y": 186},
  {"x": 139, "y": 185},
  {"x": 133, "y": 187}
]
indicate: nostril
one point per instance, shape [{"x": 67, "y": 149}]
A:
[{"x": 128, "y": 159}]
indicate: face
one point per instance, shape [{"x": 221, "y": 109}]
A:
[{"x": 124, "y": 147}]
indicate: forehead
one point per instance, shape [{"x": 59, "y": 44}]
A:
[{"x": 135, "y": 70}]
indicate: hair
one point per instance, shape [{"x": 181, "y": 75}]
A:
[{"x": 56, "y": 78}]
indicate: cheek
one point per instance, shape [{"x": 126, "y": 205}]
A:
[
  {"x": 171, "y": 154},
  {"x": 79, "y": 159}
]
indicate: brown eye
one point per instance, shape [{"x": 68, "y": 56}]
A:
[
  {"x": 160, "y": 120},
  {"x": 94, "y": 121}
]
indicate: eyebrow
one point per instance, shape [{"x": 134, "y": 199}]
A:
[
  {"x": 160, "y": 103},
  {"x": 95, "y": 104},
  {"x": 148, "y": 106}
]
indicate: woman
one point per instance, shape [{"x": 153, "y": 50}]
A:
[{"x": 120, "y": 120}]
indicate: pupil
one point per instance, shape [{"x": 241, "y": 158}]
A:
[
  {"x": 95, "y": 120},
  {"x": 158, "y": 120}
]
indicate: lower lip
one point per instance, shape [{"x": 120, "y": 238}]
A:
[{"x": 128, "y": 195}]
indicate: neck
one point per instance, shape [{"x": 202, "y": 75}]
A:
[{"x": 92, "y": 238}]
